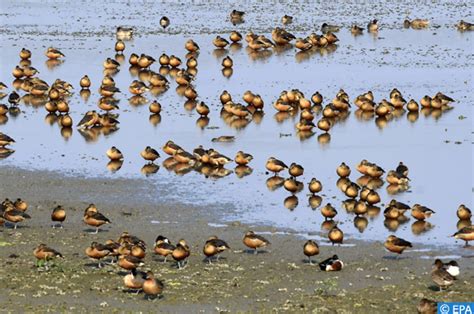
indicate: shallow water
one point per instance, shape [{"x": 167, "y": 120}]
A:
[{"x": 437, "y": 148}]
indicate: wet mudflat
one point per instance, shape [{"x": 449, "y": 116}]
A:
[
  {"x": 279, "y": 278},
  {"x": 432, "y": 143}
]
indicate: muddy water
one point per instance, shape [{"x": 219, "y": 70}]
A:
[{"x": 436, "y": 147}]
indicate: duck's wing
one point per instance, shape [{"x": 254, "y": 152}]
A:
[
  {"x": 402, "y": 242},
  {"x": 99, "y": 216},
  {"x": 51, "y": 250},
  {"x": 86, "y": 119},
  {"x": 261, "y": 238}
]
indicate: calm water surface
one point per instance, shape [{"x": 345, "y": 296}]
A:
[{"x": 437, "y": 148}]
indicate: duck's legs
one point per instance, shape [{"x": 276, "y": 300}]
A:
[
  {"x": 309, "y": 260},
  {"x": 256, "y": 251}
]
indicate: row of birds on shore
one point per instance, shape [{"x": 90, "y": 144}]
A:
[{"x": 129, "y": 252}]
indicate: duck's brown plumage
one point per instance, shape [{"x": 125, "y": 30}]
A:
[
  {"x": 58, "y": 214},
  {"x": 396, "y": 245},
  {"x": 310, "y": 248},
  {"x": 181, "y": 252},
  {"x": 43, "y": 252},
  {"x": 134, "y": 280},
  {"x": 255, "y": 241},
  {"x": 152, "y": 286}
]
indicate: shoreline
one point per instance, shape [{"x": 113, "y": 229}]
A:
[{"x": 145, "y": 189}]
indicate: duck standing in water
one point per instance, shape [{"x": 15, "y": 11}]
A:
[
  {"x": 463, "y": 212},
  {"x": 150, "y": 154},
  {"x": 274, "y": 165},
  {"x": 466, "y": 234},
  {"x": 465, "y": 26},
  {"x": 53, "y": 53},
  {"x": 373, "y": 26},
  {"x": 14, "y": 98},
  {"x": 123, "y": 32},
  {"x": 114, "y": 153},
  {"x": 420, "y": 212},
  {"x": 287, "y": 19},
  {"x": 164, "y": 22},
  {"x": 326, "y": 28},
  {"x": 242, "y": 159},
  {"x": 5, "y": 140},
  {"x": 90, "y": 119}
]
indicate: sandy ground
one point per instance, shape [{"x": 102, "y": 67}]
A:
[{"x": 278, "y": 279}]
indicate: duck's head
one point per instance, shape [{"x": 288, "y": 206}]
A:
[
  {"x": 438, "y": 263},
  {"x": 149, "y": 275}
]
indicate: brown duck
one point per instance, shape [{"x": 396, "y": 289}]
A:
[
  {"x": 134, "y": 280},
  {"x": 150, "y": 154},
  {"x": 255, "y": 241},
  {"x": 213, "y": 247},
  {"x": 181, "y": 253},
  {"x": 95, "y": 219},
  {"x": 152, "y": 286},
  {"x": 163, "y": 247},
  {"x": 396, "y": 245},
  {"x": 97, "y": 252},
  {"x": 310, "y": 248},
  {"x": 45, "y": 253},
  {"x": 58, "y": 215},
  {"x": 274, "y": 165}
]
